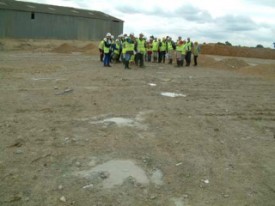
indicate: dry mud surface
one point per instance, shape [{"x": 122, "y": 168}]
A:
[{"x": 75, "y": 133}]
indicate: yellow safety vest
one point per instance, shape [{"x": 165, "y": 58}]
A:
[
  {"x": 155, "y": 46},
  {"x": 188, "y": 46},
  {"x": 196, "y": 50},
  {"x": 117, "y": 48},
  {"x": 124, "y": 47},
  {"x": 183, "y": 52},
  {"x": 101, "y": 45},
  {"x": 106, "y": 49},
  {"x": 140, "y": 46},
  {"x": 180, "y": 48},
  {"x": 149, "y": 47},
  {"x": 163, "y": 46},
  {"x": 129, "y": 46},
  {"x": 170, "y": 46}
]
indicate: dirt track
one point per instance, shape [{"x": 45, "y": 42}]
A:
[{"x": 71, "y": 130}]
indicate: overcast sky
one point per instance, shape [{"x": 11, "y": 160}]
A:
[{"x": 241, "y": 22}]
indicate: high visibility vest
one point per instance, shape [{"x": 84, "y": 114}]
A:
[
  {"x": 106, "y": 49},
  {"x": 180, "y": 47},
  {"x": 188, "y": 46},
  {"x": 155, "y": 46},
  {"x": 129, "y": 46},
  {"x": 196, "y": 50},
  {"x": 149, "y": 47},
  {"x": 101, "y": 45},
  {"x": 169, "y": 46},
  {"x": 184, "y": 49},
  {"x": 117, "y": 48},
  {"x": 140, "y": 46},
  {"x": 163, "y": 46},
  {"x": 123, "y": 47}
]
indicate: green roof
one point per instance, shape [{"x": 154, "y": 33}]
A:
[{"x": 51, "y": 9}]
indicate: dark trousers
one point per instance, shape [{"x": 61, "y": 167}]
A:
[
  {"x": 127, "y": 58},
  {"x": 107, "y": 59},
  {"x": 162, "y": 56},
  {"x": 149, "y": 57},
  {"x": 140, "y": 59},
  {"x": 188, "y": 58},
  {"x": 101, "y": 54},
  {"x": 195, "y": 60}
]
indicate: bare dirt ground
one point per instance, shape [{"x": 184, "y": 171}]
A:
[{"x": 75, "y": 133}]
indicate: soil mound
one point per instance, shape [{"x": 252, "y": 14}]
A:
[
  {"x": 206, "y": 61},
  {"x": 90, "y": 49},
  {"x": 238, "y": 65},
  {"x": 224, "y": 50},
  {"x": 65, "y": 48},
  {"x": 231, "y": 63},
  {"x": 228, "y": 63},
  {"x": 68, "y": 48}
]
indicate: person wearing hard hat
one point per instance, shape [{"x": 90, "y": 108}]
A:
[
  {"x": 129, "y": 46},
  {"x": 107, "y": 50},
  {"x": 188, "y": 56},
  {"x": 196, "y": 51},
  {"x": 170, "y": 49},
  {"x": 183, "y": 53},
  {"x": 116, "y": 49},
  {"x": 149, "y": 47},
  {"x": 179, "y": 50},
  {"x": 140, "y": 49},
  {"x": 120, "y": 38},
  {"x": 155, "y": 48},
  {"x": 112, "y": 49},
  {"x": 162, "y": 50},
  {"x": 123, "y": 51}
]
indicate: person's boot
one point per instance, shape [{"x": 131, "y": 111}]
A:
[
  {"x": 181, "y": 63},
  {"x": 141, "y": 65},
  {"x": 178, "y": 63},
  {"x": 128, "y": 63},
  {"x": 170, "y": 61}
]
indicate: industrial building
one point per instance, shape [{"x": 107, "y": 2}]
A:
[{"x": 40, "y": 21}]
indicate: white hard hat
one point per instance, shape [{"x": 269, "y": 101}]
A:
[{"x": 108, "y": 34}]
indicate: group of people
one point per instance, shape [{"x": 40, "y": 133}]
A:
[{"x": 128, "y": 48}]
